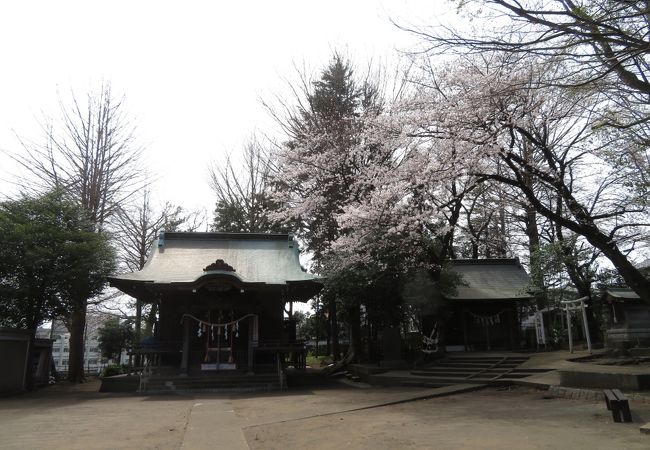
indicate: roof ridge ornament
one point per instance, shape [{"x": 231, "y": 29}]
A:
[{"x": 219, "y": 264}]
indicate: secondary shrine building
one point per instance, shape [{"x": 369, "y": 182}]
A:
[
  {"x": 484, "y": 308},
  {"x": 221, "y": 300}
]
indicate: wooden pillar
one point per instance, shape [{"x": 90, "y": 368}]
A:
[
  {"x": 487, "y": 335},
  {"x": 138, "y": 332},
  {"x": 511, "y": 327},
  {"x": 463, "y": 321},
  {"x": 185, "y": 357},
  {"x": 252, "y": 335}
]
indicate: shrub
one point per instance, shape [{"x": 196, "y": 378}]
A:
[{"x": 112, "y": 369}]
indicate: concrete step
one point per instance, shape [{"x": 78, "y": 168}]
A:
[
  {"x": 466, "y": 369},
  {"x": 450, "y": 369},
  {"x": 477, "y": 369},
  {"x": 442, "y": 373},
  {"x": 476, "y": 365},
  {"x": 485, "y": 359},
  {"x": 190, "y": 384},
  {"x": 446, "y": 381},
  {"x": 215, "y": 383},
  {"x": 532, "y": 370},
  {"x": 426, "y": 384}
]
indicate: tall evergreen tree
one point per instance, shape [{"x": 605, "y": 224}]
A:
[
  {"x": 318, "y": 167},
  {"x": 51, "y": 262}
]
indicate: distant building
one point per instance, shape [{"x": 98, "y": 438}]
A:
[
  {"x": 93, "y": 360},
  {"x": 16, "y": 354},
  {"x": 628, "y": 317}
]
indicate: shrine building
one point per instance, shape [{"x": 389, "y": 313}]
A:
[
  {"x": 221, "y": 300},
  {"x": 484, "y": 308}
]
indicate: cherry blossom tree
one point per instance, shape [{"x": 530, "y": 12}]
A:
[
  {"x": 602, "y": 43},
  {"x": 327, "y": 150},
  {"x": 493, "y": 110}
]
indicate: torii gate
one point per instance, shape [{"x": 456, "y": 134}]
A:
[{"x": 575, "y": 305}]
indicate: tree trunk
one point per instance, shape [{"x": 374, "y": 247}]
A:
[
  {"x": 29, "y": 372},
  {"x": 535, "y": 266},
  {"x": 334, "y": 330},
  {"x": 532, "y": 232},
  {"x": 76, "y": 324},
  {"x": 584, "y": 225},
  {"x": 632, "y": 276},
  {"x": 151, "y": 319},
  {"x": 354, "y": 317}
]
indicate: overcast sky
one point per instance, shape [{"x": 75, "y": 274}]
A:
[{"x": 192, "y": 72}]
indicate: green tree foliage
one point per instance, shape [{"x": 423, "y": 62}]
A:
[
  {"x": 50, "y": 257},
  {"x": 301, "y": 319},
  {"x": 51, "y": 262},
  {"x": 244, "y": 201},
  {"x": 315, "y": 326},
  {"x": 114, "y": 336}
]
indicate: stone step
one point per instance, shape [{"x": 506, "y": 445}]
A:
[
  {"x": 467, "y": 369},
  {"x": 427, "y": 384},
  {"x": 209, "y": 382},
  {"x": 214, "y": 383},
  {"x": 483, "y": 369},
  {"x": 486, "y": 359},
  {"x": 477, "y": 365},
  {"x": 199, "y": 380},
  {"x": 213, "y": 389},
  {"x": 441, "y": 373},
  {"x": 446, "y": 381}
]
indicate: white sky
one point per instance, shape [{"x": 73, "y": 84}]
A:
[{"x": 192, "y": 72}]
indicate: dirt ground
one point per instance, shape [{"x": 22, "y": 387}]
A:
[
  {"x": 81, "y": 418},
  {"x": 488, "y": 419}
]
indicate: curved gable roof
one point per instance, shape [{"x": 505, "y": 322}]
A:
[
  {"x": 491, "y": 279},
  {"x": 255, "y": 258}
]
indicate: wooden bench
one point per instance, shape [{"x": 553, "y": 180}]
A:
[{"x": 619, "y": 406}]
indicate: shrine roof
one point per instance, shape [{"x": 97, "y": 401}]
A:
[
  {"x": 491, "y": 279},
  {"x": 248, "y": 257},
  {"x": 621, "y": 295}
]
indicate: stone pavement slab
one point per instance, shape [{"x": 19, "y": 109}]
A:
[{"x": 213, "y": 424}]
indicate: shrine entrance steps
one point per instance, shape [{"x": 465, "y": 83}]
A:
[
  {"x": 212, "y": 382},
  {"x": 476, "y": 369},
  {"x": 460, "y": 369}
]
